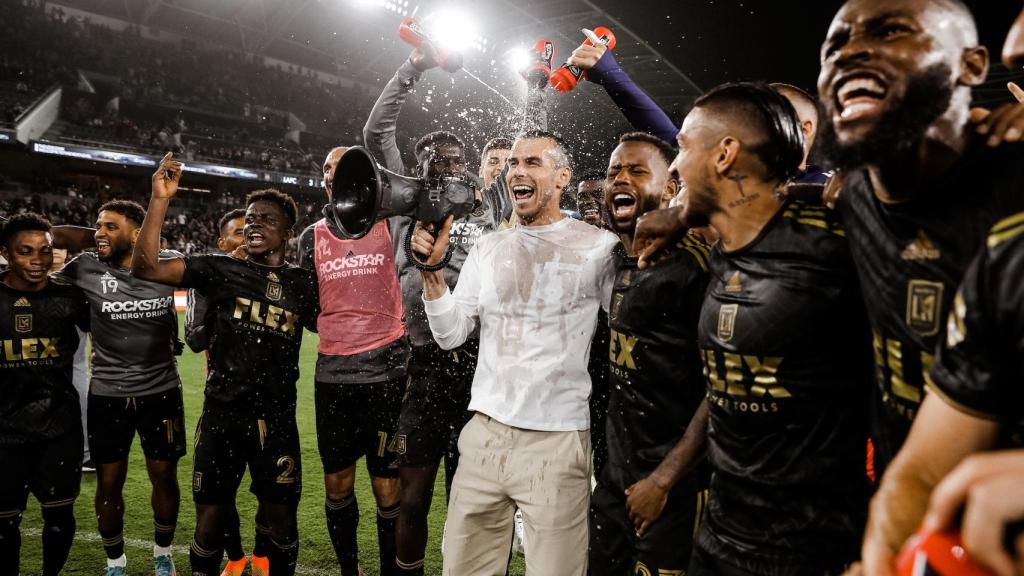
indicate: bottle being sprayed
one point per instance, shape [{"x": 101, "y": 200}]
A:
[
  {"x": 936, "y": 554},
  {"x": 412, "y": 32},
  {"x": 567, "y": 77}
]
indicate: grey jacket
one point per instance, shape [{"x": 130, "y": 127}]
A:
[{"x": 379, "y": 137}]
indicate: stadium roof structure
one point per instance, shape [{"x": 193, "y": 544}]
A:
[
  {"x": 673, "y": 49},
  {"x": 358, "y": 39}
]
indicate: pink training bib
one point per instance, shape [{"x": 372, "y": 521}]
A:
[{"x": 360, "y": 297}]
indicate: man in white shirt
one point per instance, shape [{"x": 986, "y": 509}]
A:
[{"x": 534, "y": 291}]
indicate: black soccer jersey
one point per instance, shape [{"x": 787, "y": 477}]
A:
[
  {"x": 980, "y": 366},
  {"x": 655, "y": 371},
  {"x": 786, "y": 357},
  {"x": 255, "y": 320},
  {"x": 38, "y": 340},
  {"x": 910, "y": 258}
]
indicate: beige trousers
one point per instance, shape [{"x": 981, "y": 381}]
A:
[{"x": 545, "y": 474}]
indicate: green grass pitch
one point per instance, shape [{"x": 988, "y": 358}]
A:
[{"x": 316, "y": 556}]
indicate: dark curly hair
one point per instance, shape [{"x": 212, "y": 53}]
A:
[
  {"x": 283, "y": 201},
  {"x": 28, "y": 221}
]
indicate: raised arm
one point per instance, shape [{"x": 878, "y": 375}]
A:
[
  {"x": 638, "y": 108},
  {"x": 379, "y": 132},
  {"x": 73, "y": 238},
  {"x": 146, "y": 261}
]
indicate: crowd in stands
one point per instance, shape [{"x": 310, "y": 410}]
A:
[
  {"x": 43, "y": 46},
  {"x": 190, "y": 229}
]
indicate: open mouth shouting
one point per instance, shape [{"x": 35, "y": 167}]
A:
[
  {"x": 859, "y": 95},
  {"x": 623, "y": 205},
  {"x": 255, "y": 239},
  {"x": 523, "y": 193}
]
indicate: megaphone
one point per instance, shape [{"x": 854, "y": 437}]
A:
[{"x": 364, "y": 193}]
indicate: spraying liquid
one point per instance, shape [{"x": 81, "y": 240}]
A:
[{"x": 489, "y": 87}]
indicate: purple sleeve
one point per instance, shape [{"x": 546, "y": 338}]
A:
[{"x": 635, "y": 105}]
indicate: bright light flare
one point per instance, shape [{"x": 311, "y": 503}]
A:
[
  {"x": 518, "y": 58},
  {"x": 453, "y": 29}
]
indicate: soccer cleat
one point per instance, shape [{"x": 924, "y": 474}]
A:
[
  {"x": 164, "y": 566},
  {"x": 116, "y": 571},
  {"x": 235, "y": 567},
  {"x": 88, "y": 467},
  {"x": 260, "y": 565}
]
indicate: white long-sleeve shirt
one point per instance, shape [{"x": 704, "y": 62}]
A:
[{"x": 535, "y": 292}]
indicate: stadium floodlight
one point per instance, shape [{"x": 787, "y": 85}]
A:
[
  {"x": 400, "y": 7},
  {"x": 453, "y": 29},
  {"x": 518, "y": 58}
]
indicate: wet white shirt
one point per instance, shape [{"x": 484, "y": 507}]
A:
[{"x": 535, "y": 291}]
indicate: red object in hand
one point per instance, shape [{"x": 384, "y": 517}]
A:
[
  {"x": 412, "y": 32},
  {"x": 541, "y": 55},
  {"x": 567, "y": 77},
  {"x": 936, "y": 554}
]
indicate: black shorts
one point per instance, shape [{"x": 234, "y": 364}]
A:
[
  {"x": 356, "y": 420},
  {"x": 665, "y": 548},
  {"x": 158, "y": 418},
  {"x": 436, "y": 403},
  {"x": 50, "y": 469},
  {"x": 229, "y": 440}
]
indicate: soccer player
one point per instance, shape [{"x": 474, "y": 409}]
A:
[
  {"x": 360, "y": 373},
  {"x": 806, "y": 107},
  {"x": 895, "y": 85},
  {"x": 976, "y": 404},
  {"x": 435, "y": 406},
  {"x": 534, "y": 292},
  {"x": 784, "y": 347},
  {"x": 257, "y": 309},
  {"x": 40, "y": 423},
  {"x": 648, "y": 499},
  {"x": 231, "y": 226},
  {"x": 135, "y": 386},
  {"x": 590, "y": 199},
  {"x": 974, "y": 407}
]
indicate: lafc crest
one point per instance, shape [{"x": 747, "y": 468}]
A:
[
  {"x": 924, "y": 306},
  {"x": 727, "y": 321},
  {"x": 23, "y": 323},
  {"x": 274, "y": 289}
]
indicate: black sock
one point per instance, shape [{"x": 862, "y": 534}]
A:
[
  {"x": 261, "y": 547},
  {"x": 58, "y": 535},
  {"x": 342, "y": 522},
  {"x": 204, "y": 561},
  {"x": 163, "y": 531},
  {"x": 283, "y": 557},
  {"x": 233, "y": 536},
  {"x": 113, "y": 542},
  {"x": 10, "y": 542},
  {"x": 386, "y": 519}
]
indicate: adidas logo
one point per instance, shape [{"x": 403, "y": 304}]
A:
[
  {"x": 107, "y": 276},
  {"x": 350, "y": 254},
  {"x": 22, "y": 302},
  {"x": 921, "y": 248},
  {"x": 272, "y": 277},
  {"x": 733, "y": 285}
]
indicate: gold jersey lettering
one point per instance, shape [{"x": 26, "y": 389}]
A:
[
  {"x": 271, "y": 316},
  {"x": 889, "y": 354},
  {"x": 764, "y": 370},
  {"x": 620, "y": 350},
  {"x": 30, "y": 349},
  {"x": 757, "y": 380}
]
